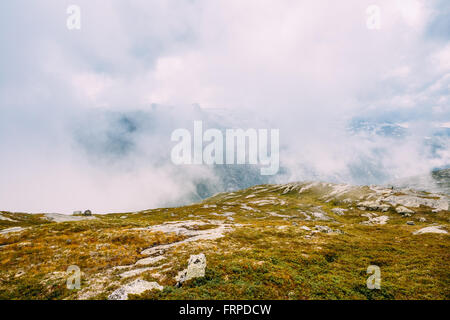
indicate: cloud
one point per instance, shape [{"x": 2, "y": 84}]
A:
[{"x": 86, "y": 116}]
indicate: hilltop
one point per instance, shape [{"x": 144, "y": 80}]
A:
[{"x": 309, "y": 240}]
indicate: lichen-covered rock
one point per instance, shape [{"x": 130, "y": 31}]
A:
[
  {"x": 196, "y": 269},
  {"x": 374, "y": 206},
  {"x": 432, "y": 229},
  {"x": 417, "y": 201},
  {"x": 403, "y": 210},
  {"x": 339, "y": 211},
  {"x": 136, "y": 287},
  {"x": 376, "y": 220},
  {"x": 326, "y": 229}
]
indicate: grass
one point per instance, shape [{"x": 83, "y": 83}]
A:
[{"x": 256, "y": 260}]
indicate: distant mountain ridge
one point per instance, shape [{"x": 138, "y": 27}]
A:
[{"x": 438, "y": 181}]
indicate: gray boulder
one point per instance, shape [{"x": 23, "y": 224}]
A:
[
  {"x": 432, "y": 229},
  {"x": 196, "y": 269}
]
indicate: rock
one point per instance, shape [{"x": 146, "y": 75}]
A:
[
  {"x": 326, "y": 229},
  {"x": 422, "y": 219},
  {"x": 339, "y": 211},
  {"x": 374, "y": 206},
  {"x": 10, "y": 230},
  {"x": 136, "y": 287},
  {"x": 6, "y": 219},
  {"x": 377, "y": 220},
  {"x": 404, "y": 210},
  {"x": 432, "y": 229},
  {"x": 149, "y": 260},
  {"x": 58, "y": 217},
  {"x": 320, "y": 215},
  {"x": 305, "y": 228},
  {"x": 196, "y": 269},
  {"x": 416, "y": 201},
  {"x": 186, "y": 228},
  {"x": 410, "y": 223},
  {"x": 87, "y": 213},
  {"x": 135, "y": 272}
]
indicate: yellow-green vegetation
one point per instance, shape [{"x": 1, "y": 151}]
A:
[{"x": 264, "y": 242}]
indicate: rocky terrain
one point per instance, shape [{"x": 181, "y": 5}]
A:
[{"x": 310, "y": 240}]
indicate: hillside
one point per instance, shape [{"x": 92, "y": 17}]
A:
[{"x": 308, "y": 240}]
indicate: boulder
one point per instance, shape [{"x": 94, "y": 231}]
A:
[
  {"x": 403, "y": 210},
  {"x": 374, "y": 206},
  {"x": 376, "y": 220},
  {"x": 196, "y": 269},
  {"x": 432, "y": 229},
  {"x": 416, "y": 201},
  {"x": 339, "y": 211}
]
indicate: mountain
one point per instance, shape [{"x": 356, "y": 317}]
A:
[
  {"x": 436, "y": 181},
  {"x": 309, "y": 240}
]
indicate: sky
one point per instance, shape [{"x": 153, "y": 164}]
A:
[{"x": 86, "y": 115}]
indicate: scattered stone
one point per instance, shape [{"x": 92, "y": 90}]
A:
[
  {"x": 196, "y": 268},
  {"x": 374, "y": 206},
  {"x": 326, "y": 229},
  {"x": 6, "y": 219},
  {"x": 410, "y": 223},
  {"x": 186, "y": 228},
  {"x": 58, "y": 217},
  {"x": 416, "y": 201},
  {"x": 376, "y": 220},
  {"x": 135, "y": 272},
  {"x": 339, "y": 211},
  {"x": 432, "y": 229},
  {"x": 136, "y": 287},
  {"x": 404, "y": 210},
  {"x": 305, "y": 228},
  {"x": 149, "y": 260},
  {"x": 10, "y": 230},
  {"x": 422, "y": 219}
]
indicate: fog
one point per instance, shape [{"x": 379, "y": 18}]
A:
[{"x": 86, "y": 115}]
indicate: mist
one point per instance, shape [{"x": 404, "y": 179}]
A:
[{"x": 86, "y": 115}]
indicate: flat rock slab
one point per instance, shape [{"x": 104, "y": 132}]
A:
[
  {"x": 416, "y": 201},
  {"x": 432, "y": 229},
  {"x": 10, "y": 230},
  {"x": 58, "y": 217},
  {"x": 149, "y": 260},
  {"x": 136, "y": 287},
  {"x": 376, "y": 220},
  {"x": 6, "y": 218},
  {"x": 135, "y": 272}
]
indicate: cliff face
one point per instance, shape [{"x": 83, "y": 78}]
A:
[{"x": 309, "y": 240}]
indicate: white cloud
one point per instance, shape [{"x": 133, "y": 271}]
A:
[{"x": 306, "y": 66}]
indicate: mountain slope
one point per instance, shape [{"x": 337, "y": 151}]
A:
[{"x": 309, "y": 240}]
